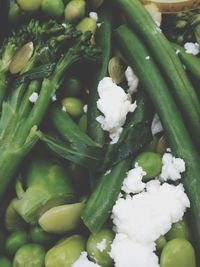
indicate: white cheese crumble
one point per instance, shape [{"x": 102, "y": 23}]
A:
[
  {"x": 64, "y": 109},
  {"x": 156, "y": 126},
  {"x": 141, "y": 219},
  {"x": 84, "y": 262},
  {"x": 114, "y": 104},
  {"x": 132, "y": 80},
  {"x": 85, "y": 108},
  {"x": 93, "y": 15},
  {"x": 172, "y": 168},
  {"x": 177, "y": 51},
  {"x": 127, "y": 253},
  {"x": 33, "y": 98},
  {"x": 133, "y": 182},
  {"x": 147, "y": 58},
  {"x": 54, "y": 97},
  {"x": 101, "y": 246},
  {"x": 192, "y": 48}
]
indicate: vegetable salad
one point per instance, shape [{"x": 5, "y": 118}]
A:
[{"x": 99, "y": 133}]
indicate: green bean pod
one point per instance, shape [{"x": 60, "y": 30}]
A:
[
  {"x": 191, "y": 62},
  {"x": 103, "y": 39},
  {"x": 167, "y": 60},
  {"x": 178, "y": 138}
]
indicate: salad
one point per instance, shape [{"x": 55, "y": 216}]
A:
[{"x": 99, "y": 133}]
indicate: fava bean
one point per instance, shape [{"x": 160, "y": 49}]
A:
[
  {"x": 75, "y": 10},
  {"x": 73, "y": 106},
  {"x": 54, "y": 9},
  {"x": 28, "y": 5},
  {"x": 15, "y": 241},
  {"x": 178, "y": 253},
  {"x": 179, "y": 230}
]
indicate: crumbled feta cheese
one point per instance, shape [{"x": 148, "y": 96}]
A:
[
  {"x": 33, "y": 98},
  {"x": 132, "y": 80},
  {"x": 93, "y": 15},
  {"x": 115, "y": 104},
  {"x": 54, "y": 98},
  {"x": 156, "y": 126},
  {"x": 127, "y": 253},
  {"x": 84, "y": 262},
  {"x": 64, "y": 109},
  {"x": 147, "y": 58},
  {"x": 172, "y": 168},
  {"x": 133, "y": 182},
  {"x": 102, "y": 245},
  {"x": 99, "y": 25},
  {"x": 108, "y": 172},
  {"x": 192, "y": 48},
  {"x": 139, "y": 220},
  {"x": 177, "y": 51},
  {"x": 85, "y": 108},
  {"x": 155, "y": 13}
]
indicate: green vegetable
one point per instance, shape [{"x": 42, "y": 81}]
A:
[
  {"x": 87, "y": 24},
  {"x": 99, "y": 246},
  {"x": 73, "y": 106},
  {"x": 47, "y": 186},
  {"x": 167, "y": 59},
  {"x": 179, "y": 230},
  {"x": 14, "y": 14},
  {"x": 66, "y": 252},
  {"x": 54, "y": 9},
  {"x": 4, "y": 262},
  {"x": 135, "y": 135},
  {"x": 39, "y": 236},
  {"x": 75, "y": 10},
  {"x": 83, "y": 123},
  {"x": 18, "y": 124},
  {"x": 31, "y": 255},
  {"x": 160, "y": 243},
  {"x": 178, "y": 253},
  {"x": 176, "y": 133},
  {"x": 195, "y": 23},
  {"x": 72, "y": 87},
  {"x": 191, "y": 62},
  {"x": 151, "y": 163},
  {"x": 29, "y": 6},
  {"x": 61, "y": 219},
  {"x": 15, "y": 241},
  {"x": 103, "y": 39},
  {"x": 102, "y": 199}
]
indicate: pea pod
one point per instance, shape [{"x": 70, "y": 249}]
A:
[
  {"x": 47, "y": 186},
  {"x": 168, "y": 61},
  {"x": 191, "y": 62},
  {"x": 101, "y": 201},
  {"x": 103, "y": 39}
]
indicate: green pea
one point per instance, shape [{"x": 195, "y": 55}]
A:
[
  {"x": 178, "y": 253},
  {"x": 66, "y": 252},
  {"x": 15, "y": 241},
  {"x": 151, "y": 163},
  {"x": 29, "y": 255},
  {"x": 73, "y": 87},
  {"x": 14, "y": 14},
  {"x": 28, "y": 5},
  {"x": 38, "y": 235},
  {"x": 54, "y": 9},
  {"x": 75, "y": 10},
  {"x": 73, "y": 106},
  {"x": 87, "y": 24},
  {"x": 4, "y": 262},
  {"x": 160, "y": 243},
  {"x": 99, "y": 246},
  {"x": 179, "y": 230},
  {"x": 83, "y": 123}
]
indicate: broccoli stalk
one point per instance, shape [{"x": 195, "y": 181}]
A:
[{"x": 20, "y": 119}]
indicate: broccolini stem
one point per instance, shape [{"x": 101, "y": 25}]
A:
[{"x": 195, "y": 22}]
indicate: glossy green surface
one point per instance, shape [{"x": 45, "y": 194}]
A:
[
  {"x": 178, "y": 253},
  {"x": 73, "y": 106},
  {"x": 151, "y": 163},
  {"x": 54, "y": 9},
  {"x": 87, "y": 24},
  {"x": 99, "y": 246}
]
